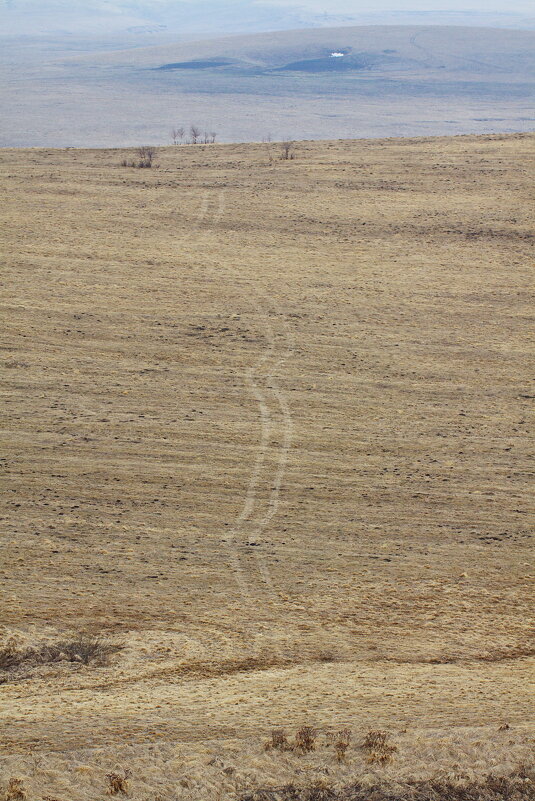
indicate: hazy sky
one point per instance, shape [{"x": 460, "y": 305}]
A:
[
  {"x": 210, "y": 17},
  {"x": 314, "y": 6},
  {"x": 358, "y": 6}
]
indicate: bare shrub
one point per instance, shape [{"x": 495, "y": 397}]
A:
[
  {"x": 146, "y": 154},
  {"x": 341, "y": 743},
  {"x": 305, "y": 740},
  {"x": 278, "y": 742},
  {"x": 84, "y": 648},
  {"x": 144, "y": 158},
  {"x": 287, "y": 150},
  {"x": 15, "y": 790},
  {"x": 378, "y": 748},
  {"x": 195, "y": 134},
  {"x": 118, "y": 783}
]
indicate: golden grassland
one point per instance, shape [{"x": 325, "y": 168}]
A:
[{"x": 267, "y": 433}]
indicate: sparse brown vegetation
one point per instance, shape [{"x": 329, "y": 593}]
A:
[
  {"x": 10, "y": 655},
  {"x": 118, "y": 782},
  {"x": 14, "y": 791},
  {"x": 287, "y": 150},
  {"x": 513, "y": 787},
  {"x": 144, "y": 160},
  {"x": 341, "y": 743},
  {"x": 378, "y": 747},
  {"x": 278, "y": 741},
  {"x": 305, "y": 739},
  {"x": 146, "y": 154},
  {"x": 84, "y": 649}
]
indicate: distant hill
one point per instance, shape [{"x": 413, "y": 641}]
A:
[
  {"x": 391, "y": 49},
  {"x": 319, "y": 83}
]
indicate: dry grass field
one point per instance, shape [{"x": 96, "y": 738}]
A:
[{"x": 267, "y": 435}]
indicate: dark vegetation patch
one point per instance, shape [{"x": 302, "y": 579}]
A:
[
  {"x": 328, "y": 64},
  {"x": 196, "y": 65},
  {"x": 517, "y": 786},
  {"x": 84, "y": 649}
]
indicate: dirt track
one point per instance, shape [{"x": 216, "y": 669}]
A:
[{"x": 268, "y": 425}]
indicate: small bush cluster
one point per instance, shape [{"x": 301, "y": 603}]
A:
[
  {"x": 14, "y": 791},
  {"x": 376, "y": 743},
  {"x": 341, "y": 742},
  {"x": 287, "y": 150},
  {"x": 83, "y": 648},
  {"x": 378, "y": 747},
  {"x": 145, "y": 158},
  {"x": 304, "y": 741},
  {"x": 118, "y": 783},
  {"x": 279, "y": 741}
]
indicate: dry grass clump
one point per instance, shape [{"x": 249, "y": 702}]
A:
[
  {"x": 304, "y": 741},
  {"x": 341, "y": 742},
  {"x": 9, "y": 655},
  {"x": 83, "y": 648},
  {"x": 118, "y": 783},
  {"x": 278, "y": 741},
  {"x": 378, "y": 747},
  {"x": 14, "y": 791}
]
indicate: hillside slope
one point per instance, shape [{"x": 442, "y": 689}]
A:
[{"x": 267, "y": 431}]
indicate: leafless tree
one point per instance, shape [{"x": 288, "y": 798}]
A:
[
  {"x": 287, "y": 150},
  {"x": 178, "y": 135},
  {"x": 195, "y": 134},
  {"x": 213, "y": 135}
]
